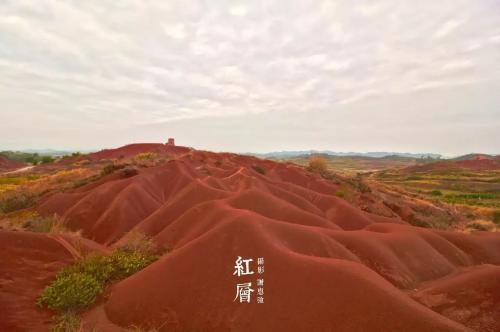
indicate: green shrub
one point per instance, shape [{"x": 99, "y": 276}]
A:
[
  {"x": 66, "y": 323},
  {"x": 41, "y": 224},
  {"x": 126, "y": 263},
  {"x": 70, "y": 292},
  {"x": 77, "y": 286},
  {"x": 110, "y": 168},
  {"x": 47, "y": 159},
  {"x": 436, "y": 193},
  {"x": 98, "y": 267},
  {"x": 84, "y": 181},
  {"x": 16, "y": 201}
]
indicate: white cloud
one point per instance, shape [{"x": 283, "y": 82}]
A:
[
  {"x": 447, "y": 28},
  {"x": 239, "y": 10},
  {"x": 175, "y": 31},
  {"x": 146, "y": 62}
]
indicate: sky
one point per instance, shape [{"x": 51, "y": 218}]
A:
[{"x": 253, "y": 76}]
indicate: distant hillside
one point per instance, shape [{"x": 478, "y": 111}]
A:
[
  {"x": 492, "y": 163},
  {"x": 7, "y": 164},
  {"x": 290, "y": 154},
  {"x": 476, "y": 156}
]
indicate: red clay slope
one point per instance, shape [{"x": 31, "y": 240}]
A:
[
  {"x": 7, "y": 164},
  {"x": 28, "y": 262},
  {"x": 329, "y": 266},
  {"x": 133, "y": 149}
]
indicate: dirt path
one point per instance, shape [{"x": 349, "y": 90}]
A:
[{"x": 19, "y": 170}]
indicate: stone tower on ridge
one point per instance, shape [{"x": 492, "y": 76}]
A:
[{"x": 171, "y": 142}]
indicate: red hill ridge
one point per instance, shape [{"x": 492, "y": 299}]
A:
[{"x": 329, "y": 265}]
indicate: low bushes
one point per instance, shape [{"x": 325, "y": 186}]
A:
[
  {"x": 71, "y": 292},
  {"x": 76, "y": 287},
  {"x": 51, "y": 224},
  {"x": 318, "y": 165},
  {"x": 67, "y": 323},
  {"x": 146, "y": 156},
  {"x": 481, "y": 225},
  {"x": 34, "y": 222},
  {"x": 16, "y": 200},
  {"x": 110, "y": 168}
]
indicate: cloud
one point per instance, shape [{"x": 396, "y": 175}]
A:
[
  {"x": 447, "y": 28},
  {"x": 134, "y": 62}
]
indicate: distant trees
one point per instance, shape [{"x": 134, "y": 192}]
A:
[
  {"x": 26, "y": 157},
  {"x": 47, "y": 159}
]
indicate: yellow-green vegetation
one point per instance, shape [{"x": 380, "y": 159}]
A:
[
  {"x": 76, "y": 287},
  {"x": 481, "y": 225},
  {"x": 9, "y": 182},
  {"x": 452, "y": 186},
  {"x": 342, "y": 193},
  {"x": 68, "y": 322},
  {"x": 32, "y": 158},
  {"x": 32, "y": 221},
  {"x": 110, "y": 168},
  {"x": 146, "y": 156},
  {"x": 350, "y": 165},
  {"x": 318, "y": 165},
  {"x": 15, "y": 200},
  {"x": 70, "y": 292},
  {"x": 136, "y": 328},
  {"x": 23, "y": 191},
  {"x": 149, "y": 159}
]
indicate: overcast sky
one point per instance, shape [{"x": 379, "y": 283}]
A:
[{"x": 389, "y": 75}]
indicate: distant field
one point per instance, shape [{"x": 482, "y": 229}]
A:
[
  {"x": 467, "y": 187},
  {"x": 353, "y": 164}
]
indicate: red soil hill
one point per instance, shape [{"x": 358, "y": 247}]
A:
[
  {"x": 133, "y": 149},
  {"x": 28, "y": 262},
  {"x": 329, "y": 266},
  {"x": 7, "y": 164}
]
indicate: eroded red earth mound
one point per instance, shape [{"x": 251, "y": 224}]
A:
[
  {"x": 329, "y": 266},
  {"x": 28, "y": 262},
  {"x": 7, "y": 164},
  {"x": 133, "y": 149}
]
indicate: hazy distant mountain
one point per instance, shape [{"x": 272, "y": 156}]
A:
[
  {"x": 475, "y": 156},
  {"x": 53, "y": 152},
  {"x": 290, "y": 154}
]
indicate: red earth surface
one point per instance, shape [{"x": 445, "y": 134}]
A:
[
  {"x": 329, "y": 265},
  {"x": 7, "y": 164}
]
